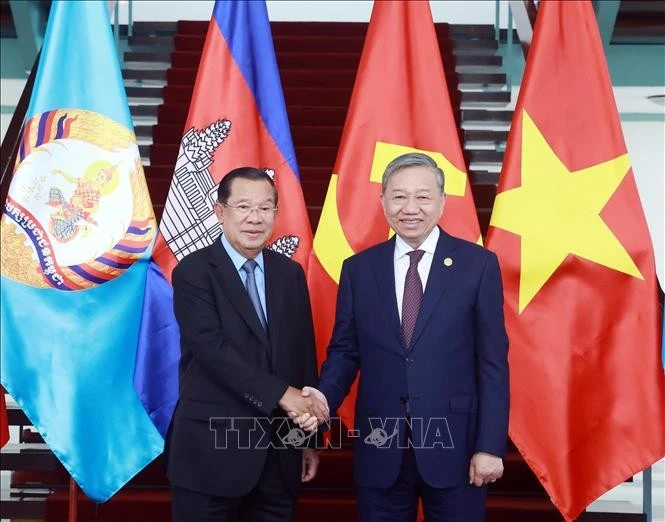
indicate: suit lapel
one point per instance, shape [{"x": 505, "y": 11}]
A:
[
  {"x": 275, "y": 288},
  {"x": 437, "y": 282},
  {"x": 229, "y": 279},
  {"x": 384, "y": 272}
]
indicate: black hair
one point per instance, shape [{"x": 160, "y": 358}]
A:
[{"x": 251, "y": 173}]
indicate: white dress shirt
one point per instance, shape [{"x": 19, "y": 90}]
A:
[{"x": 402, "y": 262}]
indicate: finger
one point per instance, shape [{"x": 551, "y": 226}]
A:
[
  {"x": 311, "y": 425},
  {"x": 472, "y": 473},
  {"x": 307, "y": 475},
  {"x": 317, "y": 396},
  {"x": 309, "y": 405},
  {"x": 298, "y": 420},
  {"x": 482, "y": 476},
  {"x": 303, "y": 419},
  {"x": 312, "y": 467},
  {"x": 324, "y": 408},
  {"x": 477, "y": 477},
  {"x": 321, "y": 409}
]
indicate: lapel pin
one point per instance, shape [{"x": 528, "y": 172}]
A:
[{"x": 448, "y": 261}]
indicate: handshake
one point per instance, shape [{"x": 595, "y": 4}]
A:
[{"x": 308, "y": 407}]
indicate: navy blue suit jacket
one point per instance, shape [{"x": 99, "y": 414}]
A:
[{"x": 454, "y": 378}]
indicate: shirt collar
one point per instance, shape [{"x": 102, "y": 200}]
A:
[
  {"x": 429, "y": 245},
  {"x": 237, "y": 258}
]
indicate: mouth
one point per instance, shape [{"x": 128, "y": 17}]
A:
[{"x": 253, "y": 233}]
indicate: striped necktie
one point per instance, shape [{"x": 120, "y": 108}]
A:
[{"x": 413, "y": 297}]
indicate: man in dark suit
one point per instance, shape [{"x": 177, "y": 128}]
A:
[
  {"x": 247, "y": 348},
  {"x": 421, "y": 317}
]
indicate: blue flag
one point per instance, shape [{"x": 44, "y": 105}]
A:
[
  {"x": 156, "y": 373},
  {"x": 77, "y": 232}
]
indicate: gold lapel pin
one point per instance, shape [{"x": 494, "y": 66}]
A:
[{"x": 448, "y": 261}]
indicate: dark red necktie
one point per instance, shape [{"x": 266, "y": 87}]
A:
[{"x": 413, "y": 297}]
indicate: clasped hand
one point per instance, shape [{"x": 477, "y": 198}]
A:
[{"x": 308, "y": 407}]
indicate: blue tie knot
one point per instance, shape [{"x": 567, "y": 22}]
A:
[{"x": 249, "y": 266}]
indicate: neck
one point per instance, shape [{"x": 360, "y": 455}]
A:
[{"x": 249, "y": 254}]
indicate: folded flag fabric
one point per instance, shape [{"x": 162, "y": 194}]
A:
[{"x": 77, "y": 231}]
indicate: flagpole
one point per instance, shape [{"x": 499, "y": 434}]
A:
[
  {"x": 647, "y": 502},
  {"x": 73, "y": 500}
]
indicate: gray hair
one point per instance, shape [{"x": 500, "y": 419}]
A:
[{"x": 412, "y": 159}]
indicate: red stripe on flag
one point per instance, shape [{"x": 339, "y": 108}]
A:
[
  {"x": 68, "y": 124},
  {"x": 221, "y": 92},
  {"x": 142, "y": 224}
]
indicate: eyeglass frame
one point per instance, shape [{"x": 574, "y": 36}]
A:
[{"x": 263, "y": 212}]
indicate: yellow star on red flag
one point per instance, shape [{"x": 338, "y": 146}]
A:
[{"x": 556, "y": 212}]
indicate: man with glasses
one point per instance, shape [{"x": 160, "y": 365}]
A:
[
  {"x": 247, "y": 347},
  {"x": 421, "y": 317}
]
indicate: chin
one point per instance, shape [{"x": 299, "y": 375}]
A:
[
  {"x": 255, "y": 245},
  {"x": 412, "y": 234}
]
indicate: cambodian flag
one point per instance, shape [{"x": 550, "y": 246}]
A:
[
  {"x": 77, "y": 230},
  {"x": 237, "y": 117}
]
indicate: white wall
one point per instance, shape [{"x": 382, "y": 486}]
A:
[
  {"x": 10, "y": 93},
  {"x": 453, "y": 11},
  {"x": 645, "y": 141},
  {"x": 4, "y": 123}
]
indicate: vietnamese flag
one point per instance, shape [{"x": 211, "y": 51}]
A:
[
  {"x": 587, "y": 385},
  {"x": 400, "y": 103}
]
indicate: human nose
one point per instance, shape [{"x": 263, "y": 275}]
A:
[
  {"x": 410, "y": 206},
  {"x": 254, "y": 214}
]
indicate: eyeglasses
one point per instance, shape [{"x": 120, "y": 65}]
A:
[{"x": 265, "y": 211}]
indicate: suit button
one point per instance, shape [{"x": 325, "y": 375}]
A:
[
  {"x": 402, "y": 400},
  {"x": 410, "y": 359},
  {"x": 259, "y": 404}
]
